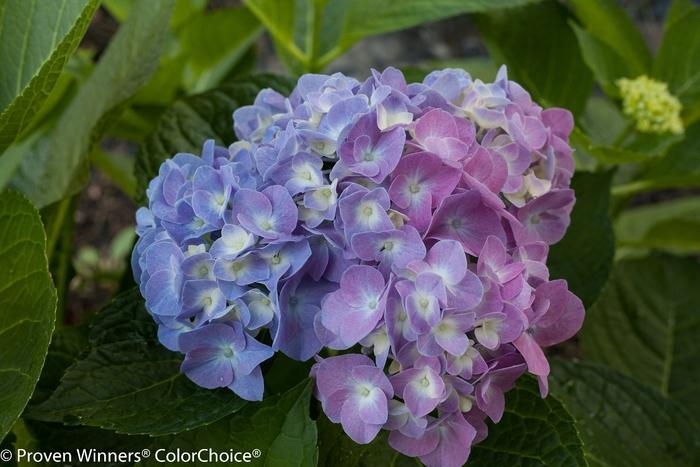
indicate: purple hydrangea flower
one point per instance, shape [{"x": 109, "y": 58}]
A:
[
  {"x": 354, "y": 392},
  {"x": 406, "y": 225},
  {"x": 222, "y": 355}
]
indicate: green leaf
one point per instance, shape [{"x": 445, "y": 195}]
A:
[
  {"x": 603, "y": 60},
  {"x": 545, "y": 59},
  {"x": 678, "y": 59},
  {"x": 608, "y": 24},
  {"x": 481, "y": 68},
  {"x": 336, "y": 449},
  {"x": 50, "y": 170},
  {"x": 54, "y": 437},
  {"x": 36, "y": 39},
  {"x": 155, "y": 398},
  {"x": 680, "y": 166},
  {"x": 604, "y": 153},
  {"x": 234, "y": 29},
  {"x": 279, "y": 427},
  {"x": 677, "y": 10},
  {"x": 66, "y": 345},
  {"x": 182, "y": 11},
  {"x": 9, "y": 443},
  {"x": 388, "y": 15},
  {"x": 27, "y": 305},
  {"x": 533, "y": 431},
  {"x": 315, "y": 32},
  {"x": 621, "y": 422},
  {"x": 602, "y": 121},
  {"x": 584, "y": 256},
  {"x": 646, "y": 324},
  {"x": 190, "y": 121},
  {"x": 671, "y": 226}
]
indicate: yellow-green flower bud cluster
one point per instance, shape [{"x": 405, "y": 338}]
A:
[{"x": 649, "y": 103}]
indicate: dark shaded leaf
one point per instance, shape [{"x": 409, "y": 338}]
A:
[
  {"x": 533, "y": 431},
  {"x": 584, "y": 256},
  {"x": 130, "y": 383},
  {"x": 190, "y": 121},
  {"x": 545, "y": 59},
  {"x": 279, "y": 429},
  {"x": 621, "y": 422},
  {"x": 646, "y": 324}
]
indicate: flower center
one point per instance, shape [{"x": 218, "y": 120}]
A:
[{"x": 414, "y": 188}]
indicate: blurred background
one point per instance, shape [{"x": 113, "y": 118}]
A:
[{"x": 104, "y": 213}]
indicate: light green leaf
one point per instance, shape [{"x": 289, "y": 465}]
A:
[
  {"x": 604, "y": 153},
  {"x": 183, "y": 10},
  {"x": 545, "y": 59},
  {"x": 315, "y": 32},
  {"x": 36, "y": 39},
  {"x": 646, "y": 324},
  {"x": 603, "y": 60},
  {"x": 118, "y": 167},
  {"x": 672, "y": 226},
  {"x": 27, "y": 305},
  {"x": 53, "y": 165},
  {"x": 392, "y": 15},
  {"x": 128, "y": 382},
  {"x": 533, "y": 431},
  {"x": 233, "y": 29},
  {"x": 279, "y": 427},
  {"x": 621, "y": 422},
  {"x": 602, "y": 121},
  {"x": 584, "y": 256},
  {"x": 190, "y": 121},
  {"x": 678, "y": 59},
  {"x": 608, "y": 24}
]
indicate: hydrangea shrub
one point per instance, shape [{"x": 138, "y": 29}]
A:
[{"x": 404, "y": 227}]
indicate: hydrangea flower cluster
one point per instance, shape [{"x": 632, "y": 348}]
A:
[
  {"x": 650, "y": 104},
  {"x": 403, "y": 226}
]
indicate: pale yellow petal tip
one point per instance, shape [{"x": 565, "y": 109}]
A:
[{"x": 650, "y": 104}]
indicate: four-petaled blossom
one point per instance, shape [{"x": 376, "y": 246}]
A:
[{"x": 354, "y": 392}]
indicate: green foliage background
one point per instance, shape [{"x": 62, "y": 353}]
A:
[{"x": 108, "y": 384}]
